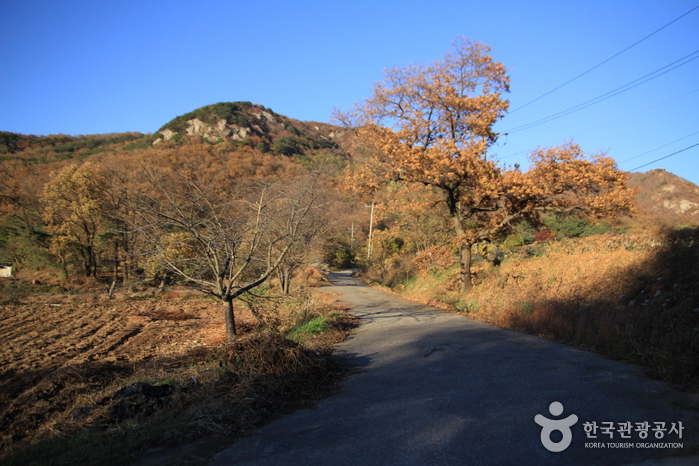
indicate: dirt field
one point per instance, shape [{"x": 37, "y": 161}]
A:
[
  {"x": 63, "y": 355},
  {"x": 85, "y": 379}
]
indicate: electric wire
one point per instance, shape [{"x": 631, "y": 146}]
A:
[
  {"x": 623, "y": 118},
  {"x": 607, "y": 95},
  {"x": 661, "y": 158},
  {"x": 638, "y": 112},
  {"x": 605, "y": 61},
  {"x": 657, "y": 148}
]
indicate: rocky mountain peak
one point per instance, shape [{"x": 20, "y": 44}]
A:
[{"x": 250, "y": 124}]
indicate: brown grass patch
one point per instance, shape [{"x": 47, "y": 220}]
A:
[{"x": 630, "y": 297}]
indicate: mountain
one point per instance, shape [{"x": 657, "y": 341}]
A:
[
  {"x": 236, "y": 123},
  {"x": 666, "y": 196},
  {"x": 252, "y": 125}
]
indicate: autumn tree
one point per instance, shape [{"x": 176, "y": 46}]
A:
[
  {"x": 113, "y": 181},
  {"x": 22, "y": 236},
  {"x": 72, "y": 210},
  {"x": 223, "y": 238},
  {"x": 432, "y": 125}
]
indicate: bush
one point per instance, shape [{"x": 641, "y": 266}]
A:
[
  {"x": 467, "y": 306},
  {"x": 513, "y": 241},
  {"x": 574, "y": 227},
  {"x": 342, "y": 257},
  {"x": 544, "y": 236},
  {"x": 288, "y": 146}
]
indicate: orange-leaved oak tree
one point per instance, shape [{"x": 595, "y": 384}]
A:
[{"x": 432, "y": 125}]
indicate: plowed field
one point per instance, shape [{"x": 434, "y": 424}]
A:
[{"x": 60, "y": 355}]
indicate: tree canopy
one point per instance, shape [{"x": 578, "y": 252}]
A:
[{"x": 432, "y": 125}]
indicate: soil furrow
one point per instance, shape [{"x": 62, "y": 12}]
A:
[{"x": 56, "y": 359}]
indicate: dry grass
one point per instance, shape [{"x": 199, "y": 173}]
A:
[{"x": 633, "y": 298}]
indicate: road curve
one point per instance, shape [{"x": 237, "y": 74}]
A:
[{"x": 441, "y": 389}]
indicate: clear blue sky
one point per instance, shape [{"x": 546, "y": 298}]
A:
[{"x": 84, "y": 67}]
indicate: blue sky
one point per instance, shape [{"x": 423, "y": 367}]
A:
[{"x": 84, "y": 67}]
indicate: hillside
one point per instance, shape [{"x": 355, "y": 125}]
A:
[
  {"x": 243, "y": 141},
  {"x": 238, "y": 123},
  {"x": 33, "y": 149},
  {"x": 666, "y": 196},
  {"x": 663, "y": 196},
  {"x": 251, "y": 125}
]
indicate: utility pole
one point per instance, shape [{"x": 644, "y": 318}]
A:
[
  {"x": 371, "y": 231},
  {"x": 352, "y": 238}
]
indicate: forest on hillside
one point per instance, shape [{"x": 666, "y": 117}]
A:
[{"x": 231, "y": 195}]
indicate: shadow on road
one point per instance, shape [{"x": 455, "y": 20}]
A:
[{"x": 439, "y": 388}]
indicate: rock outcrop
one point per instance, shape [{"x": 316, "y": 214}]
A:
[
  {"x": 251, "y": 124},
  {"x": 667, "y": 196}
]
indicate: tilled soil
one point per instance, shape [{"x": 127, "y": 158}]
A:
[{"x": 61, "y": 356}]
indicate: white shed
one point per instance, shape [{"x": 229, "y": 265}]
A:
[{"x": 5, "y": 270}]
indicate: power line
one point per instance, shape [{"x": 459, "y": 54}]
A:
[
  {"x": 638, "y": 112},
  {"x": 661, "y": 158},
  {"x": 625, "y": 117},
  {"x": 512, "y": 155},
  {"x": 660, "y": 147},
  {"x": 607, "y": 95},
  {"x": 605, "y": 61}
]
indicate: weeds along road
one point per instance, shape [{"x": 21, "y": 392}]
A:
[{"x": 442, "y": 389}]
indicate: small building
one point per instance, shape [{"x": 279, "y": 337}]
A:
[{"x": 5, "y": 270}]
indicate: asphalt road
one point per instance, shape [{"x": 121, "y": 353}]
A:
[{"x": 442, "y": 389}]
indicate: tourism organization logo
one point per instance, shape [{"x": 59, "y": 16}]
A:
[
  {"x": 606, "y": 431},
  {"x": 548, "y": 426}
]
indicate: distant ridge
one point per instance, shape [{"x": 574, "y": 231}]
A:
[
  {"x": 666, "y": 196},
  {"x": 238, "y": 124}
]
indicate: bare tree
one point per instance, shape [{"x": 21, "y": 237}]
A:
[{"x": 224, "y": 239}]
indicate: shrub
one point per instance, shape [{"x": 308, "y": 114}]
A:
[
  {"x": 467, "y": 306},
  {"x": 544, "y": 236},
  {"x": 342, "y": 257},
  {"x": 574, "y": 227},
  {"x": 513, "y": 241},
  {"x": 288, "y": 146}
]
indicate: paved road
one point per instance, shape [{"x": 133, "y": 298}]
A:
[{"x": 441, "y": 389}]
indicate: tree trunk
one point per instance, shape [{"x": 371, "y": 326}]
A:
[
  {"x": 90, "y": 261},
  {"x": 116, "y": 261},
  {"x": 229, "y": 315},
  {"x": 285, "y": 279},
  {"x": 465, "y": 267},
  {"x": 86, "y": 252},
  {"x": 464, "y": 246},
  {"x": 125, "y": 266},
  {"x": 93, "y": 261}
]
